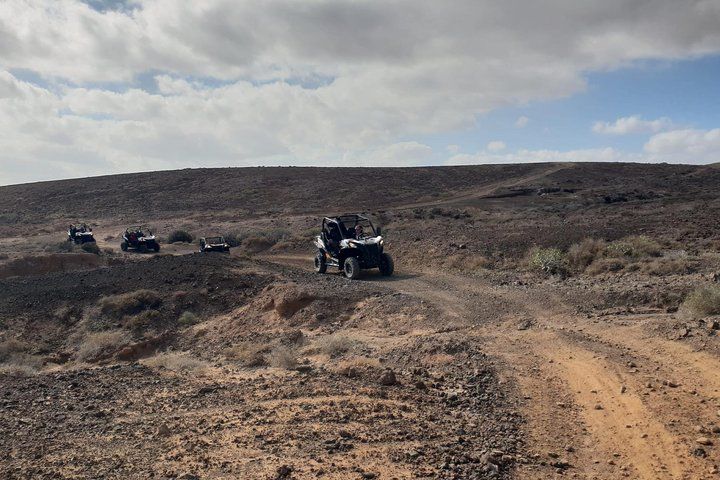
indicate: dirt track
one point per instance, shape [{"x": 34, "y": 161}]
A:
[{"x": 603, "y": 398}]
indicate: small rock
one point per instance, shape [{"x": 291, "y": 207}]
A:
[
  {"x": 387, "y": 378},
  {"x": 704, "y": 441},
  {"x": 598, "y": 406},
  {"x": 283, "y": 472},
  {"x": 188, "y": 476}
]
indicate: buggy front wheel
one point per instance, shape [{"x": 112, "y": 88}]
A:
[
  {"x": 320, "y": 263},
  {"x": 351, "y": 268},
  {"x": 124, "y": 246},
  {"x": 387, "y": 266}
]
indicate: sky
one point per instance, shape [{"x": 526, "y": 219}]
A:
[{"x": 110, "y": 86}]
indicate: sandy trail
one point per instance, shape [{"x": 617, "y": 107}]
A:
[{"x": 602, "y": 401}]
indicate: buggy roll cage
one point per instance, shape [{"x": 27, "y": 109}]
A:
[{"x": 346, "y": 224}]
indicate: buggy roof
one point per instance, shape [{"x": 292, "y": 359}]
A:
[{"x": 347, "y": 217}]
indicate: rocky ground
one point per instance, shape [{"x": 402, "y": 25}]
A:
[{"x": 468, "y": 363}]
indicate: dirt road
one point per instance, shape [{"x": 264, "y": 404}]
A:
[{"x": 603, "y": 397}]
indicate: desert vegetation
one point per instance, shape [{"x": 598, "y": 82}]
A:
[{"x": 703, "y": 301}]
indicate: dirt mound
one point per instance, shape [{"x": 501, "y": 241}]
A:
[
  {"x": 286, "y": 299},
  {"x": 56, "y": 262}
]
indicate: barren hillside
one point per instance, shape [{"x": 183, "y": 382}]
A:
[{"x": 544, "y": 320}]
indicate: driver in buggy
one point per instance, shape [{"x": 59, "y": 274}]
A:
[
  {"x": 334, "y": 237},
  {"x": 359, "y": 232}
]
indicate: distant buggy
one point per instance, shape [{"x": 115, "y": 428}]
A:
[
  {"x": 136, "y": 238},
  {"x": 350, "y": 243},
  {"x": 213, "y": 244},
  {"x": 80, "y": 234}
]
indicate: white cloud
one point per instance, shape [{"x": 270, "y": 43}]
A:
[
  {"x": 540, "y": 156},
  {"x": 632, "y": 124},
  {"x": 243, "y": 82},
  {"x": 677, "y": 146},
  {"x": 689, "y": 146},
  {"x": 496, "y": 146},
  {"x": 522, "y": 121},
  {"x": 453, "y": 148},
  {"x": 398, "y": 154}
]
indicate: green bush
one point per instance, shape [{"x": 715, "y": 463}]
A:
[
  {"x": 187, "y": 319},
  {"x": 180, "y": 236},
  {"x": 636, "y": 246},
  {"x": 703, "y": 301},
  {"x": 549, "y": 260}
]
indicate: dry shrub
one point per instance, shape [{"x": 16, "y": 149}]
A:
[
  {"x": 12, "y": 347},
  {"x": 581, "y": 255},
  {"x": 470, "y": 262},
  {"x": 61, "y": 247},
  {"x": 176, "y": 362},
  {"x": 335, "y": 345},
  {"x": 17, "y": 370},
  {"x": 283, "y": 357},
  {"x": 98, "y": 346},
  {"x": 232, "y": 239},
  {"x": 143, "y": 320},
  {"x": 606, "y": 265},
  {"x": 260, "y": 240},
  {"x": 180, "y": 236},
  {"x": 356, "y": 366},
  {"x": 248, "y": 354},
  {"x": 257, "y": 244},
  {"x": 90, "y": 247},
  {"x": 117, "y": 306},
  {"x": 667, "y": 266},
  {"x": 283, "y": 245},
  {"x": 703, "y": 301},
  {"x": 187, "y": 319}
]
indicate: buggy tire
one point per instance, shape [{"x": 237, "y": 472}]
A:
[
  {"x": 156, "y": 248},
  {"x": 320, "y": 263},
  {"x": 387, "y": 266},
  {"x": 124, "y": 246},
  {"x": 351, "y": 267}
]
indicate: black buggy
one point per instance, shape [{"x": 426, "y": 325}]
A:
[
  {"x": 214, "y": 244},
  {"x": 80, "y": 234},
  {"x": 350, "y": 243},
  {"x": 136, "y": 239}
]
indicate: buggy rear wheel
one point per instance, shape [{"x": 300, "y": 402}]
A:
[
  {"x": 156, "y": 247},
  {"x": 320, "y": 263},
  {"x": 351, "y": 268},
  {"x": 387, "y": 266}
]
